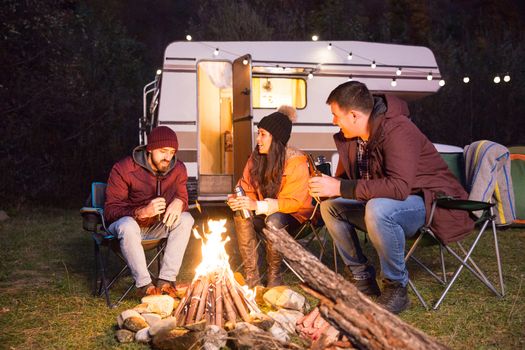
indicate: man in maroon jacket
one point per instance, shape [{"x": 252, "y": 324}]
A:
[
  {"x": 387, "y": 176},
  {"x": 146, "y": 198}
]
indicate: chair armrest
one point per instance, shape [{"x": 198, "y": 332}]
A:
[{"x": 462, "y": 204}]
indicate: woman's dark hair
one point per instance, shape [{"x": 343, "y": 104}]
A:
[{"x": 267, "y": 169}]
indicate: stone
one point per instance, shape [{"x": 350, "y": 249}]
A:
[
  {"x": 126, "y": 314},
  {"x": 167, "y": 323},
  {"x": 142, "y": 336},
  {"x": 3, "y": 216},
  {"x": 124, "y": 336},
  {"x": 197, "y": 326},
  {"x": 245, "y": 336},
  {"x": 286, "y": 318},
  {"x": 141, "y": 308},
  {"x": 262, "y": 321},
  {"x": 214, "y": 338},
  {"x": 279, "y": 333},
  {"x": 177, "y": 339},
  {"x": 159, "y": 304},
  {"x": 151, "y": 318},
  {"x": 284, "y": 297},
  {"x": 134, "y": 323}
]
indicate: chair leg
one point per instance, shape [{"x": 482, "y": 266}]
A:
[
  {"x": 416, "y": 292},
  {"x": 464, "y": 263},
  {"x": 498, "y": 259},
  {"x": 443, "y": 268},
  {"x": 102, "y": 261}
]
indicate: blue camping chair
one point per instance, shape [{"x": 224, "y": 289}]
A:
[{"x": 105, "y": 243}]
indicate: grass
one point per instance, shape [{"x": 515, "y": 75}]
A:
[{"x": 46, "y": 271}]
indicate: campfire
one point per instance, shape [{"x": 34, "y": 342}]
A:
[{"x": 214, "y": 295}]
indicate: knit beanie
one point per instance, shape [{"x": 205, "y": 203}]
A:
[
  {"x": 279, "y": 123},
  {"x": 161, "y": 137}
]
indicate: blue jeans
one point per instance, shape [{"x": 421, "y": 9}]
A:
[
  {"x": 387, "y": 221},
  {"x": 130, "y": 235}
]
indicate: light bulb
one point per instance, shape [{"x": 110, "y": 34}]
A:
[
  {"x": 188, "y": 37},
  {"x": 429, "y": 76},
  {"x": 310, "y": 75},
  {"x": 497, "y": 79},
  {"x": 349, "y": 57},
  {"x": 315, "y": 37},
  {"x": 398, "y": 71},
  {"x": 442, "y": 82},
  {"x": 466, "y": 80},
  {"x": 393, "y": 82},
  {"x": 245, "y": 61},
  {"x": 159, "y": 71},
  {"x": 216, "y": 52},
  {"x": 373, "y": 65},
  {"x": 329, "y": 47},
  {"x": 350, "y": 78},
  {"x": 506, "y": 78}
]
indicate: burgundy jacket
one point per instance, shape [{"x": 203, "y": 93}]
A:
[
  {"x": 402, "y": 162},
  {"x": 132, "y": 184}
]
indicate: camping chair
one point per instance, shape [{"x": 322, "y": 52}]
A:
[
  {"x": 105, "y": 242},
  {"x": 463, "y": 255}
]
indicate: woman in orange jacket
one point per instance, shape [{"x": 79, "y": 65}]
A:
[{"x": 275, "y": 182}]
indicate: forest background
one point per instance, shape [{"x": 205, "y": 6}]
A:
[{"x": 73, "y": 71}]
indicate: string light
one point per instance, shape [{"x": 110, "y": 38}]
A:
[
  {"x": 159, "y": 71},
  {"x": 310, "y": 75},
  {"x": 373, "y": 65},
  {"x": 245, "y": 61},
  {"x": 350, "y": 78},
  {"x": 349, "y": 57},
  {"x": 429, "y": 76},
  {"x": 393, "y": 82},
  {"x": 315, "y": 37},
  {"x": 188, "y": 37},
  {"x": 329, "y": 47},
  {"x": 466, "y": 80},
  {"x": 398, "y": 71},
  {"x": 497, "y": 79},
  {"x": 506, "y": 78},
  {"x": 216, "y": 52},
  {"x": 442, "y": 82}
]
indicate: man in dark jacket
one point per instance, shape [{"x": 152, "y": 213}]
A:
[
  {"x": 146, "y": 198},
  {"x": 387, "y": 175}
]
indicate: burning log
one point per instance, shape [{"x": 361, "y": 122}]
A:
[
  {"x": 214, "y": 295},
  {"x": 366, "y": 325}
]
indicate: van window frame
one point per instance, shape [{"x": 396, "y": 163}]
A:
[{"x": 263, "y": 76}]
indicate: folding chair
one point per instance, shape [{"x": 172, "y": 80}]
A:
[
  {"x": 105, "y": 242},
  {"x": 464, "y": 255}
]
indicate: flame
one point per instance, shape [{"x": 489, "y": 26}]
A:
[{"x": 215, "y": 260}]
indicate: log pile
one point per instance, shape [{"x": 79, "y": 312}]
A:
[
  {"x": 216, "y": 298},
  {"x": 363, "y": 322}
]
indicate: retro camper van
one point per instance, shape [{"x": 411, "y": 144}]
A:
[{"x": 213, "y": 94}]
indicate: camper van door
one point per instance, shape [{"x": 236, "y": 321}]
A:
[{"x": 242, "y": 114}]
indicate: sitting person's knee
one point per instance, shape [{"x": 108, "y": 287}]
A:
[
  {"x": 277, "y": 220},
  {"x": 376, "y": 209}
]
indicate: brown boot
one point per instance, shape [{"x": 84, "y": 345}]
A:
[
  {"x": 247, "y": 242},
  {"x": 274, "y": 259}
]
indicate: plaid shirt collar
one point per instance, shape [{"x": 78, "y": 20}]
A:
[{"x": 362, "y": 159}]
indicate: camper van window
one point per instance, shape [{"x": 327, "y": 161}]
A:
[{"x": 274, "y": 92}]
